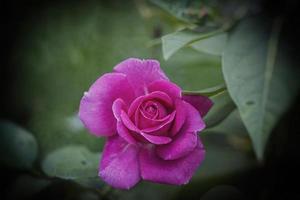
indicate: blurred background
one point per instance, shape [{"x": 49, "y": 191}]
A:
[{"x": 52, "y": 51}]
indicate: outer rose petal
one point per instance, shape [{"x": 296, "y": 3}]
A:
[
  {"x": 186, "y": 140},
  {"x": 119, "y": 165},
  {"x": 167, "y": 87},
  {"x": 201, "y": 103},
  {"x": 177, "y": 172},
  {"x": 96, "y": 105},
  {"x": 182, "y": 144},
  {"x": 180, "y": 116},
  {"x": 141, "y": 73},
  {"x": 193, "y": 121}
]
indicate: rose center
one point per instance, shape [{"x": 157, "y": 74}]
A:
[{"x": 152, "y": 109}]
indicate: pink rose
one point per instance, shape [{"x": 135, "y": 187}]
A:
[{"x": 151, "y": 128}]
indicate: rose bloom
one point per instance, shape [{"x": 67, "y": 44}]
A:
[{"x": 151, "y": 128}]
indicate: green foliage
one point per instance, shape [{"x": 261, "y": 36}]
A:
[
  {"x": 18, "y": 148},
  {"x": 195, "y": 72},
  {"x": 221, "y": 158},
  {"x": 223, "y": 105},
  {"x": 259, "y": 77},
  {"x": 231, "y": 125},
  {"x": 205, "y": 12},
  {"x": 183, "y": 10},
  {"x": 71, "y": 162},
  {"x": 213, "y": 45},
  {"x": 254, "y": 65},
  {"x": 172, "y": 42},
  {"x": 209, "y": 92}
]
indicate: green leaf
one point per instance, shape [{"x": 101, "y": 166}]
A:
[
  {"x": 71, "y": 162},
  {"x": 223, "y": 106},
  {"x": 212, "y": 45},
  {"x": 172, "y": 42},
  {"x": 259, "y": 76},
  {"x": 193, "y": 71},
  {"x": 18, "y": 148}
]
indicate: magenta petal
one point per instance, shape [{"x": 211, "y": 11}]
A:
[
  {"x": 180, "y": 116},
  {"x": 127, "y": 122},
  {"x": 186, "y": 140},
  {"x": 125, "y": 133},
  {"x": 177, "y": 172},
  {"x": 201, "y": 103},
  {"x": 167, "y": 87},
  {"x": 156, "y": 139},
  {"x": 182, "y": 144},
  {"x": 119, "y": 166},
  {"x": 117, "y": 107},
  {"x": 157, "y": 95},
  {"x": 151, "y": 138},
  {"x": 160, "y": 126},
  {"x": 193, "y": 121},
  {"x": 141, "y": 73},
  {"x": 96, "y": 105}
]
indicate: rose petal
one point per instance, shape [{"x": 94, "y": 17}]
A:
[
  {"x": 193, "y": 121},
  {"x": 151, "y": 138},
  {"x": 119, "y": 166},
  {"x": 159, "y": 127},
  {"x": 167, "y": 87},
  {"x": 177, "y": 172},
  {"x": 182, "y": 144},
  {"x": 201, "y": 103},
  {"x": 125, "y": 133},
  {"x": 186, "y": 140},
  {"x": 141, "y": 73},
  {"x": 128, "y": 123},
  {"x": 180, "y": 116},
  {"x": 160, "y": 96},
  {"x": 96, "y": 105},
  {"x": 151, "y": 109},
  {"x": 156, "y": 139},
  {"x": 117, "y": 107}
]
